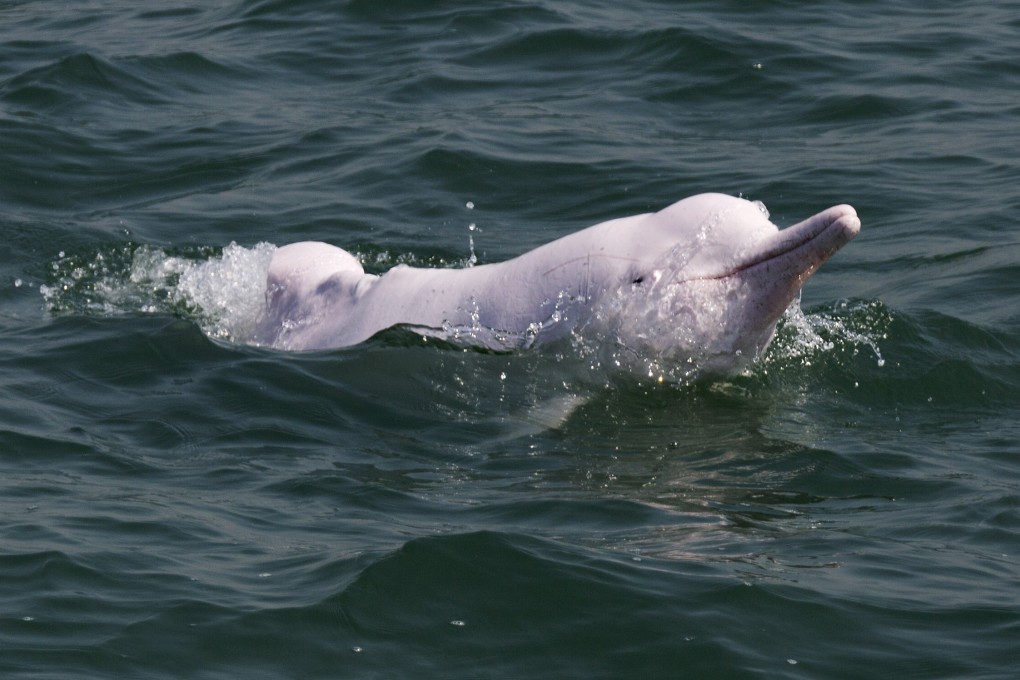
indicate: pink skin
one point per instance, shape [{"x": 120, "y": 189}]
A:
[{"x": 709, "y": 276}]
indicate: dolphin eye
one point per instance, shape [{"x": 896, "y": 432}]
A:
[{"x": 638, "y": 280}]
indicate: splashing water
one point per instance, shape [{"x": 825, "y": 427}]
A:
[
  {"x": 560, "y": 323},
  {"x": 851, "y": 325},
  {"x": 666, "y": 349},
  {"x": 472, "y": 257},
  {"x": 229, "y": 290},
  {"x": 223, "y": 292},
  {"x": 472, "y": 228},
  {"x": 669, "y": 328}
]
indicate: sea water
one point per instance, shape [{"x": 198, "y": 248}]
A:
[{"x": 176, "y": 502}]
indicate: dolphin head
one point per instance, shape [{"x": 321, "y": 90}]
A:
[{"x": 722, "y": 278}]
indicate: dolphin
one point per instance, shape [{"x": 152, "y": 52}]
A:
[{"x": 705, "y": 279}]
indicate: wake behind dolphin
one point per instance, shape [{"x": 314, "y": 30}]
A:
[{"x": 702, "y": 281}]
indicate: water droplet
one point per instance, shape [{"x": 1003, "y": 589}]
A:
[
  {"x": 469, "y": 205},
  {"x": 17, "y": 283},
  {"x": 356, "y": 650},
  {"x": 265, "y": 574},
  {"x": 472, "y": 257},
  {"x": 792, "y": 662},
  {"x": 458, "y": 623}
]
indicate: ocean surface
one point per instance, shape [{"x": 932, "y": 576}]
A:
[{"x": 178, "y": 503}]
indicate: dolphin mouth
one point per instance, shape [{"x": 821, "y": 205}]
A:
[{"x": 804, "y": 246}]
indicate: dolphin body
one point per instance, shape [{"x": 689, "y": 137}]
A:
[{"x": 704, "y": 280}]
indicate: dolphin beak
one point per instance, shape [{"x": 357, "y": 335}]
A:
[
  {"x": 801, "y": 249},
  {"x": 777, "y": 267},
  {"x": 822, "y": 235},
  {"x": 785, "y": 262}
]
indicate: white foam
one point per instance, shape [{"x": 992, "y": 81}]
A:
[
  {"x": 229, "y": 290},
  {"x": 223, "y": 293}
]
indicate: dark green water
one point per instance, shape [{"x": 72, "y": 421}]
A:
[{"x": 175, "y": 505}]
